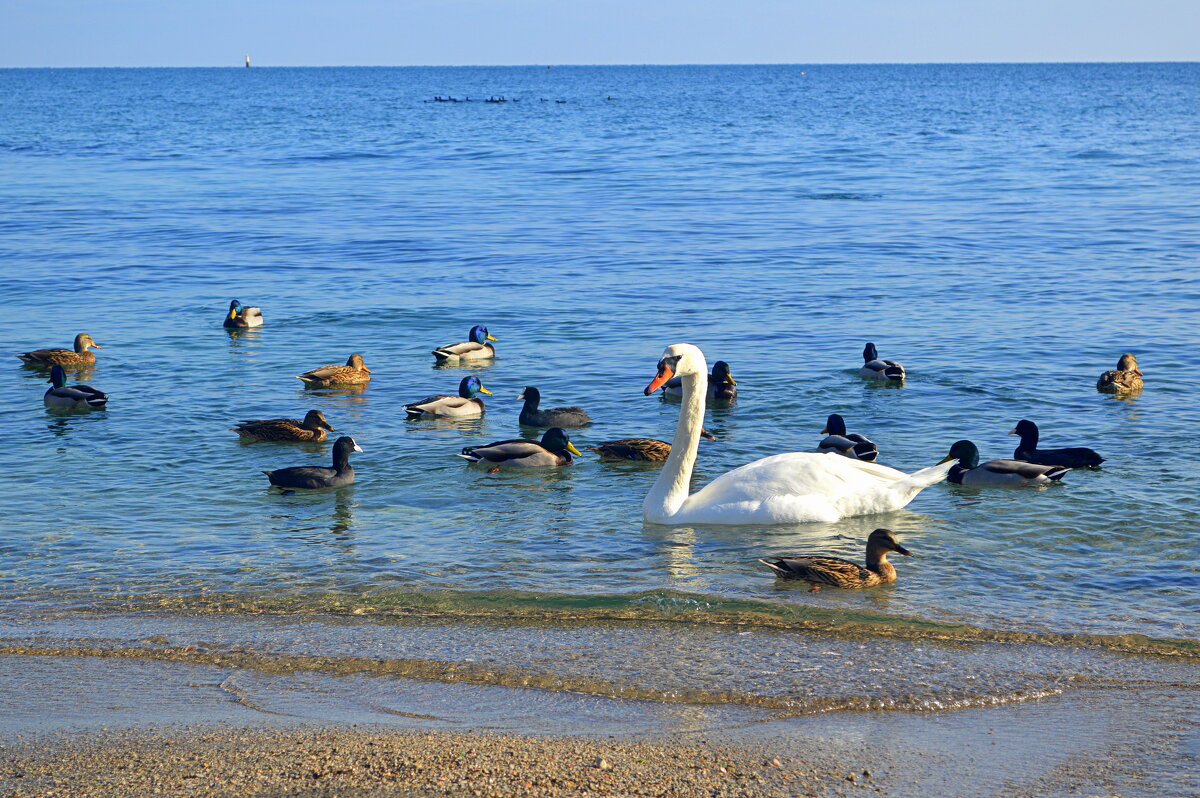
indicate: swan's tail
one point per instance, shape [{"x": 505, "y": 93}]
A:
[{"x": 923, "y": 478}]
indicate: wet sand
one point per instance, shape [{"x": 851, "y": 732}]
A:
[{"x": 369, "y": 762}]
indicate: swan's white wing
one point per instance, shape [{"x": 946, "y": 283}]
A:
[{"x": 802, "y": 487}]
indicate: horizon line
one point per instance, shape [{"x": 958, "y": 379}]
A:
[{"x": 239, "y": 65}]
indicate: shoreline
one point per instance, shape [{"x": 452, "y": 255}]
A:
[{"x": 81, "y": 726}]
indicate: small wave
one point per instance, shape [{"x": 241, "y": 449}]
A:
[
  {"x": 1095, "y": 155},
  {"x": 350, "y": 155},
  {"x": 648, "y": 606},
  {"x": 489, "y": 674},
  {"x": 838, "y": 195}
]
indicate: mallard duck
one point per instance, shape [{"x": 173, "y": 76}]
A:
[
  {"x": 1027, "y": 450},
  {"x": 1125, "y": 378},
  {"x": 855, "y": 446},
  {"x": 352, "y": 373},
  {"x": 721, "y": 386},
  {"x": 311, "y": 429},
  {"x": 64, "y": 357},
  {"x": 77, "y": 397},
  {"x": 555, "y": 449},
  {"x": 554, "y": 417},
  {"x": 313, "y": 477},
  {"x": 791, "y": 488},
  {"x": 876, "y": 369},
  {"x": 240, "y": 316},
  {"x": 997, "y": 473},
  {"x": 465, "y": 405},
  {"x": 476, "y": 347},
  {"x": 834, "y": 571},
  {"x": 643, "y": 449}
]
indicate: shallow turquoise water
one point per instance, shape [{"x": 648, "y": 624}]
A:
[{"x": 1004, "y": 231}]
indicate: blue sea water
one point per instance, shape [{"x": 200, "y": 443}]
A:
[{"x": 1005, "y": 231}]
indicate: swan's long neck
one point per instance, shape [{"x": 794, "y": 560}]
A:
[{"x": 673, "y": 485}]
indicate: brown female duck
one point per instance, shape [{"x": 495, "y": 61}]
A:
[
  {"x": 64, "y": 357},
  {"x": 647, "y": 450},
  {"x": 353, "y": 373},
  {"x": 311, "y": 429},
  {"x": 835, "y": 571},
  {"x": 1125, "y": 378}
]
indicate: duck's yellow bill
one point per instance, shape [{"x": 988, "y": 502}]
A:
[
  {"x": 947, "y": 459},
  {"x": 490, "y": 337},
  {"x": 484, "y": 390},
  {"x": 571, "y": 448}
]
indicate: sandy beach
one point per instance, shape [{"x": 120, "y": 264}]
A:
[{"x": 360, "y": 762}]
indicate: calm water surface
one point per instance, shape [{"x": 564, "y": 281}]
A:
[{"x": 1006, "y": 232}]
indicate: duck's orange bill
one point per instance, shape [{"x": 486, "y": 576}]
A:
[{"x": 664, "y": 374}]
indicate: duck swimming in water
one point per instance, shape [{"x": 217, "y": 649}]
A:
[
  {"x": 353, "y": 373},
  {"x": 553, "y": 450},
  {"x": 836, "y": 572},
  {"x": 465, "y": 405},
  {"x": 1027, "y": 450},
  {"x": 76, "y": 397},
  {"x": 647, "y": 450},
  {"x": 1125, "y": 378},
  {"x": 721, "y": 386},
  {"x": 875, "y": 369},
  {"x": 997, "y": 473},
  {"x": 854, "y": 446},
  {"x": 476, "y": 347},
  {"x": 310, "y": 430},
  {"x": 80, "y": 356},
  {"x": 240, "y": 316}
]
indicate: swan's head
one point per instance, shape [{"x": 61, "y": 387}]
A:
[
  {"x": 678, "y": 360},
  {"x": 1128, "y": 363}
]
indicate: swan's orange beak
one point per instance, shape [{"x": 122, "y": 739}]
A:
[{"x": 664, "y": 373}]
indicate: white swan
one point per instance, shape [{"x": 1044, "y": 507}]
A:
[{"x": 794, "y": 488}]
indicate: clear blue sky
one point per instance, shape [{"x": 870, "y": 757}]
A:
[{"x": 401, "y": 32}]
